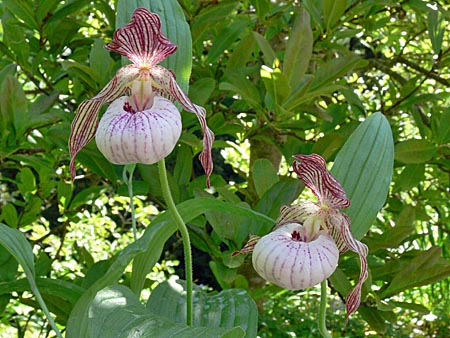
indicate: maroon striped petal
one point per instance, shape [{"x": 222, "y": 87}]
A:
[
  {"x": 312, "y": 170},
  {"x": 167, "y": 86},
  {"x": 248, "y": 247},
  {"x": 141, "y": 39},
  {"x": 341, "y": 225},
  {"x": 296, "y": 213},
  {"x": 85, "y": 122}
]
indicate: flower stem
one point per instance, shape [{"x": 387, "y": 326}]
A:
[
  {"x": 129, "y": 182},
  {"x": 184, "y": 235},
  {"x": 323, "y": 310}
]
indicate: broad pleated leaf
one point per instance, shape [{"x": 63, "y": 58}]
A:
[
  {"x": 117, "y": 313},
  {"x": 227, "y": 309},
  {"x": 364, "y": 167}
]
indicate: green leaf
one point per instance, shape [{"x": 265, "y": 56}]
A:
[
  {"x": 436, "y": 28},
  {"x": 276, "y": 85},
  {"x": 374, "y": 318},
  {"x": 116, "y": 313},
  {"x": 414, "y": 151},
  {"x": 328, "y": 144},
  {"x": 264, "y": 176},
  {"x": 89, "y": 76},
  {"x": 210, "y": 16},
  {"x": 392, "y": 237},
  {"x": 91, "y": 158},
  {"x": 426, "y": 268},
  {"x": 43, "y": 103},
  {"x": 100, "y": 61},
  {"x": 52, "y": 289},
  {"x": 13, "y": 108},
  {"x": 8, "y": 267},
  {"x": 31, "y": 212},
  {"x": 269, "y": 54},
  {"x": 329, "y": 71},
  {"x": 227, "y": 309},
  {"x": 200, "y": 91},
  {"x": 332, "y": 11},
  {"x": 183, "y": 166},
  {"x": 410, "y": 177},
  {"x": 9, "y": 215},
  {"x": 24, "y": 11},
  {"x": 231, "y": 226},
  {"x": 152, "y": 241},
  {"x": 68, "y": 9},
  {"x": 412, "y": 306},
  {"x": 237, "y": 83},
  {"x": 173, "y": 25},
  {"x": 281, "y": 193},
  {"x": 229, "y": 34},
  {"x": 25, "y": 180},
  {"x": 17, "y": 245},
  {"x": 364, "y": 167},
  {"x": 298, "y": 49}
]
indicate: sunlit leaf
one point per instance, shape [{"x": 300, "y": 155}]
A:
[
  {"x": 298, "y": 49},
  {"x": 227, "y": 309},
  {"x": 364, "y": 166},
  {"x": 116, "y": 313},
  {"x": 414, "y": 151}
]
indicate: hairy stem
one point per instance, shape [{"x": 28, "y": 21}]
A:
[
  {"x": 184, "y": 234},
  {"x": 323, "y": 310},
  {"x": 128, "y": 179}
]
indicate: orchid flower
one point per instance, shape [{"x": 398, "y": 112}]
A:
[
  {"x": 304, "y": 247},
  {"x": 141, "y": 125}
]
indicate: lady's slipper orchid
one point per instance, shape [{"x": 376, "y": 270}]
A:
[
  {"x": 142, "y": 126},
  {"x": 295, "y": 256},
  {"x": 298, "y": 252}
]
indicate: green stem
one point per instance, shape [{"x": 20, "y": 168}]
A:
[
  {"x": 129, "y": 182},
  {"x": 323, "y": 310},
  {"x": 184, "y": 235},
  {"x": 44, "y": 308}
]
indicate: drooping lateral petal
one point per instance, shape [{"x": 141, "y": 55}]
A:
[
  {"x": 85, "y": 122},
  {"x": 141, "y": 39},
  {"x": 312, "y": 170},
  {"x": 168, "y": 86},
  {"x": 353, "y": 299},
  {"x": 248, "y": 247}
]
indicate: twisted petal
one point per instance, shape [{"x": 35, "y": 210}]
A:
[
  {"x": 141, "y": 39},
  {"x": 342, "y": 235},
  {"x": 85, "y": 122},
  {"x": 167, "y": 86},
  {"x": 312, "y": 170}
]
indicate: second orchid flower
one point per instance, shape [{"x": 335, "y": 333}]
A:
[{"x": 304, "y": 247}]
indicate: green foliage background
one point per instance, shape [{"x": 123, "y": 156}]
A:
[{"x": 277, "y": 78}]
